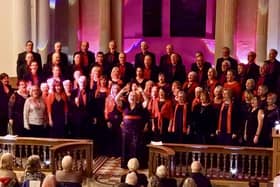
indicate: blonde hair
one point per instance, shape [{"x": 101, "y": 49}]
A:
[
  {"x": 133, "y": 164},
  {"x": 6, "y": 161},
  {"x": 33, "y": 164},
  {"x": 161, "y": 171}
]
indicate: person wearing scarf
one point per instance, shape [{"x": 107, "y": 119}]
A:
[
  {"x": 227, "y": 123},
  {"x": 179, "y": 128}
]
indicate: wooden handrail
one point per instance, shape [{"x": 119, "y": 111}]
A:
[{"x": 162, "y": 149}]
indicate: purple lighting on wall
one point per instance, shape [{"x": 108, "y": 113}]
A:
[{"x": 132, "y": 44}]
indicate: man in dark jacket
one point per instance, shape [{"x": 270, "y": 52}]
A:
[{"x": 198, "y": 177}]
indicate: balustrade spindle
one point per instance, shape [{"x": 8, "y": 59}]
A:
[
  {"x": 180, "y": 163},
  {"x": 187, "y": 161},
  {"x": 75, "y": 160},
  {"x": 256, "y": 166},
  {"x": 173, "y": 166},
  {"x": 236, "y": 163},
  {"x": 205, "y": 163},
  {"x": 224, "y": 167},
  {"x": 262, "y": 166},
  {"x": 32, "y": 149},
  {"x": 45, "y": 153},
  {"x": 211, "y": 163},
  {"x": 249, "y": 167},
  {"x": 243, "y": 165},
  {"x": 231, "y": 162},
  {"x": 162, "y": 160},
  {"x": 218, "y": 162},
  {"x": 269, "y": 167},
  {"x": 199, "y": 156},
  {"x": 26, "y": 151},
  {"x": 20, "y": 155}
]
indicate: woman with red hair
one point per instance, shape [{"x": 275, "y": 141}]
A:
[{"x": 57, "y": 110}]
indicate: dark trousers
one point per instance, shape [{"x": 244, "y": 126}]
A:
[
  {"x": 130, "y": 145},
  {"x": 37, "y": 131}
]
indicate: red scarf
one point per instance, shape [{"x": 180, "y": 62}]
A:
[
  {"x": 229, "y": 112},
  {"x": 185, "y": 129}
]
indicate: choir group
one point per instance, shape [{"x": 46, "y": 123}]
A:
[{"x": 123, "y": 106}]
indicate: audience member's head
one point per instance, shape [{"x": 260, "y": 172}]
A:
[
  {"x": 6, "y": 161},
  {"x": 67, "y": 163},
  {"x": 133, "y": 164},
  {"x": 131, "y": 179},
  {"x": 189, "y": 182},
  {"x": 161, "y": 171},
  {"x": 196, "y": 167},
  {"x": 49, "y": 181},
  {"x": 33, "y": 164}
]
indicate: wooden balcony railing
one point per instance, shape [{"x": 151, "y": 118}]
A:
[
  {"x": 219, "y": 162},
  {"x": 222, "y": 162},
  {"x": 51, "y": 152}
]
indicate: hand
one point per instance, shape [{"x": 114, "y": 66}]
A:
[
  {"x": 94, "y": 121},
  {"x": 245, "y": 137},
  {"x": 256, "y": 139},
  {"x": 217, "y": 132},
  {"x": 188, "y": 131},
  {"x": 169, "y": 129},
  {"x": 233, "y": 136},
  {"x": 212, "y": 135},
  {"x": 153, "y": 128},
  {"x": 122, "y": 125},
  {"x": 109, "y": 124},
  {"x": 146, "y": 129},
  {"x": 27, "y": 128},
  {"x": 77, "y": 101},
  {"x": 51, "y": 123}
]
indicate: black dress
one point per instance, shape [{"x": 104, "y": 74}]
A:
[
  {"x": 4, "y": 100},
  {"x": 16, "y": 104},
  {"x": 58, "y": 118},
  {"x": 203, "y": 124},
  {"x": 251, "y": 127},
  {"x": 270, "y": 116},
  {"x": 101, "y": 134}
]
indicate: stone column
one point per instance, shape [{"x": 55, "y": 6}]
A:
[
  {"x": 21, "y": 26},
  {"x": 117, "y": 22},
  {"x": 43, "y": 28},
  {"x": 73, "y": 25},
  {"x": 261, "y": 33},
  {"x": 273, "y": 31},
  {"x": 105, "y": 24},
  {"x": 225, "y": 24}
]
